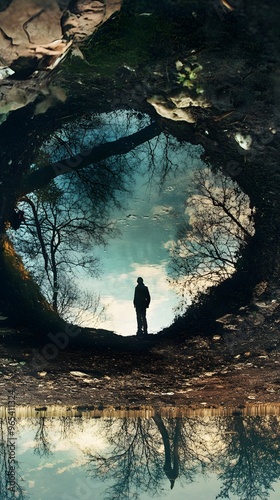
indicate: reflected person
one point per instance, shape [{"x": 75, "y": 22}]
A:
[{"x": 141, "y": 302}]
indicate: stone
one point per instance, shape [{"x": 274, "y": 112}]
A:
[
  {"x": 183, "y": 100},
  {"x": 26, "y": 23},
  {"x": 78, "y": 374},
  {"x": 166, "y": 110}
]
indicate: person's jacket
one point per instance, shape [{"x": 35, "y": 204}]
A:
[{"x": 142, "y": 297}]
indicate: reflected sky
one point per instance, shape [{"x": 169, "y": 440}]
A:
[
  {"x": 147, "y": 227},
  {"x": 150, "y": 208},
  {"x": 151, "y": 212},
  {"x": 112, "y": 458}
]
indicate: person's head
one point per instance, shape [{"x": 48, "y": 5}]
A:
[{"x": 140, "y": 281}]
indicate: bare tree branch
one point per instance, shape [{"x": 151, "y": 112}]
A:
[{"x": 42, "y": 177}]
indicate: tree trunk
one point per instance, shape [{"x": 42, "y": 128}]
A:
[{"x": 41, "y": 178}]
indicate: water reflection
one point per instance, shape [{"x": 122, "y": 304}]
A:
[
  {"x": 124, "y": 458},
  {"x": 116, "y": 220},
  {"x": 192, "y": 86}
]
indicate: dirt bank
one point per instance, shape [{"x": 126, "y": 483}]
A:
[{"x": 237, "y": 365}]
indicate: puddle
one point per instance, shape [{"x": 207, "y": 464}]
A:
[{"x": 75, "y": 453}]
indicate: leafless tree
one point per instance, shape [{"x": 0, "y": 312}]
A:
[
  {"x": 6, "y": 491},
  {"x": 250, "y": 462},
  {"x": 42, "y": 444},
  {"x": 56, "y": 242},
  {"x": 71, "y": 212},
  {"x": 219, "y": 223},
  {"x": 144, "y": 452}
]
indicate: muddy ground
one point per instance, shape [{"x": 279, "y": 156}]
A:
[{"x": 234, "y": 366}]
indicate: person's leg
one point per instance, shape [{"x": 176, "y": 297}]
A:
[
  {"x": 139, "y": 322},
  {"x": 144, "y": 322}
]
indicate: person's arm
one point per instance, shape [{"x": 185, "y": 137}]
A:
[{"x": 148, "y": 297}]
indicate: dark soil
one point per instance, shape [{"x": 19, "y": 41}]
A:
[{"x": 236, "y": 366}]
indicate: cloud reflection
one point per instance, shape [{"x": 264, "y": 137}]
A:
[{"x": 122, "y": 318}]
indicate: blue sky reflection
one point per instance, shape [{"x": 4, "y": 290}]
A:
[{"x": 152, "y": 212}]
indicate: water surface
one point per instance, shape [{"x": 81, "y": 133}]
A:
[{"x": 157, "y": 456}]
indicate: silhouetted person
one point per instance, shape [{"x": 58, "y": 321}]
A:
[
  {"x": 171, "y": 471},
  {"x": 141, "y": 301}
]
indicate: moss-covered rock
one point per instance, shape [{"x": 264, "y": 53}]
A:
[{"x": 127, "y": 41}]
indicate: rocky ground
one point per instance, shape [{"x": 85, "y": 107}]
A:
[{"x": 236, "y": 366}]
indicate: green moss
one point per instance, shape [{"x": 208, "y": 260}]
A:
[{"x": 127, "y": 41}]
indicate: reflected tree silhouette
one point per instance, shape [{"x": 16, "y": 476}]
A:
[
  {"x": 133, "y": 463},
  {"x": 144, "y": 452},
  {"x": 5, "y": 491},
  {"x": 65, "y": 218},
  {"x": 73, "y": 212},
  {"x": 210, "y": 242},
  {"x": 250, "y": 462},
  {"x": 245, "y": 449},
  {"x": 59, "y": 234},
  {"x": 67, "y": 429},
  {"x": 140, "y": 455},
  {"x": 42, "y": 441}
]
